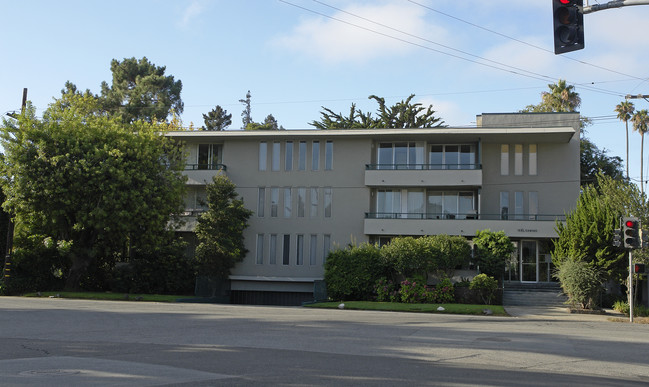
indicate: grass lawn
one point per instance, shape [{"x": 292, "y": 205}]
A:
[
  {"x": 471, "y": 309},
  {"x": 109, "y": 296}
]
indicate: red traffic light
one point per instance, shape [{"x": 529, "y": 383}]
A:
[
  {"x": 639, "y": 268},
  {"x": 630, "y": 224},
  {"x": 565, "y": 1}
]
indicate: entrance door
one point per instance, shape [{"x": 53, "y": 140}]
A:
[{"x": 529, "y": 261}]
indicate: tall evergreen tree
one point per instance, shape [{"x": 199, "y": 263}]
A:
[
  {"x": 246, "y": 114},
  {"x": 217, "y": 119}
]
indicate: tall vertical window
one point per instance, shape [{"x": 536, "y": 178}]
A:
[
  {"x": 504, "y": 159},
  {"x": 209, "y": 156},
  {"x": 301, "y": 201},
  {"x": 288, "y": 156},
  {"x": 313, "y": 249},
  {"x": 273, "y": 249},
  {"x": 260, "y": 249},
  {"x": 532, "y": 159},
  {"x": 533, "y": 204},
  {"x": 261, "y": 201},
  {"x": 286, "y": 249},
  {"x": 388, "y": 203},
  {"x": 288, "y": 202},
  {"x": 518, "y": 159},
  {"x": 416, "y": 206},
  {"x": 504, "y": 205},
  {"x": 300, "y": 249},
  {"x": 301, "y": 160},
  {"x": 315, "y": 156},
  {"x": 518, "y": 204},
  {"x": 326, "y": 247},
  {"x": 263, "y": 155},
  {"x": 313, "y": 212},
  {"x": 327, "y": 202},
  {"x": 329, "y": 155},
  {"x": 274, "y": 201},
  {"x": 276, "y": 156}
]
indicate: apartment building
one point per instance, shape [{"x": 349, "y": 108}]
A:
[{"x": 316, "y": 190}]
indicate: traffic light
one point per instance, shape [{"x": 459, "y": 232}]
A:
[
  {"x": 617, "y": 237},
  {"x": 568, "y": 25},
  {"x": 639, "y": 268},
  {"x": 630, "y": 231}
]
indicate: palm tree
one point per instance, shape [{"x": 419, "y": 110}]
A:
[
  {"x": 624, "y": 111},
  {"x": 641, "y": 125},
  {"x": 561, "y": 98}
]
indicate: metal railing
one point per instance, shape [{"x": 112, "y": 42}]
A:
[
  {"x": 461, "y": 216},
  {"x": 422, "y": 167},
  {"x": 194, "y": 167}
]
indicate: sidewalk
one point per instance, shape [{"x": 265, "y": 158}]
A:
[{"x": 559, "y": 313}]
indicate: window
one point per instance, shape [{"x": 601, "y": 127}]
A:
[
  {"x": 518, "y": 159},
  {"x": 313, "y": 212},
  {"x": 435, "y": 204},
  {"x": 260, "y": 249},
  {"x": 504, "y": 159},
  {"x": 532, "y": 159},
  {"x": 504, "y": 205},
  {"x": 301, "y": 201},
  {"x": 300, "y": 249},
  {"x": 301, "y": 161},
  {"x": 288, "y": 202},
  {"x": 327, "y": 202},
  {"x": 400, "y": 155},
  {"x": 518, "y": 205},
  {"x": 288, "y": 157},
  {"x": 273, "y": 249},
  {"x": 467, "y": 157},
  {"x": 274, "y": 201},
  {"x": 326, "y": 244},
  {"x": 261, "y": 202},
  {"x": 533, "y": 204},
  {"x": 329, "y": 155},
  {"x": 388, "y": 203},
  {"x": 286, "y": 249},
  {"x": 209, "y": 156},
  {"x": 416, "y": 206},
  {"x": 315, "y": 156},
  {"x": 313, "y": 249},
  {"x": 263, "y": 155},
  {"x": 276, "y": 156}
]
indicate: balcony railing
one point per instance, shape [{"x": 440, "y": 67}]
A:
[
  {"x": 195, "y": 167},
  {"x": 468, "y": 216},
  {"x": 436, "y": 167}
]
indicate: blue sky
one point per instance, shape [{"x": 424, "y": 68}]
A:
[{"x": 295, "y": 56}]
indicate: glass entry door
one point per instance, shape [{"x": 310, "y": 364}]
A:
[{"x": 529, "y": 261}]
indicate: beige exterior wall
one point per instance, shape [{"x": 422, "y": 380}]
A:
[{"x": 354, "y": 187}]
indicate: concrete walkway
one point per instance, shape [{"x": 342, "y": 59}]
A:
[{"x": 560, "y": 313}]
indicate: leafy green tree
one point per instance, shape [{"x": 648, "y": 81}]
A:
[
  {"x": 270, "y": 123},
  {"x": 451, "y": 251},
  {"x": 403, "y": 114},
  {"x": 587, "y": 234},
  {"x": 140, "y": 90},
  {"x": 594, "y": 160},
  {"x": 409, "y": 257},
  {"x": 641, "y": 125},
  {"x": 95, "y": 187},
  {"x": 220, "y": 229},
  {"x": 493, "y": 248},
  {"x": 560, "y": 98},
  {"x": 352, "y": 273},
  {"x": 624, "y": 112},
  {"x": 217, "y": 119},
  {"x": 581, "y": 282}
]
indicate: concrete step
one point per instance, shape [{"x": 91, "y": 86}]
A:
[{"x": 534, "y": 297}]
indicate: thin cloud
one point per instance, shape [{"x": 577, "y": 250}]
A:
[{"x": 190, "y": 13}]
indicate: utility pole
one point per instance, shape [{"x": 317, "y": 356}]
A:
[
  {"x": 10, "y": 225},
  {"x": 613, "y": 4}
]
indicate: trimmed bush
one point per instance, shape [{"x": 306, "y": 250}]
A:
[
  {"x": 580, "y": 282},
  {"x": 485, "y": 286},
  {"x": 351, "y": 273}
]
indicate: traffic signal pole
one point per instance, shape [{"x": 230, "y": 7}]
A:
[
  {"x": 613, "y": 4},
  {"x": 630, "y": 286}
]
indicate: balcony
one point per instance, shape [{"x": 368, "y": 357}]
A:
[
  {"x": 465, "y": 224},
  {"x": 201, "y": 174},
  {"x": 423, "y": 175}
]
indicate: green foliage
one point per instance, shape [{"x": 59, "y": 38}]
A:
[
  {"x": 220, "y": 229},
  {"x": 561, "y": 98},
  {"x": 588, "y": 230},
  {"x": 403, "y": 114},
  {"x": 217, "y": 119},
  {"x": 486, "y": 287},
  {"x": 580, "y": 281},
  {"x": 352, "y": 273},
  {"x": 140, "y": 90},
  {"x": 386, "y": 290},
  {"x": 492, "y": 250},
  {"x": 449, "y": 252},
  {"x": 94, "y": 185},
  {"x": 594, "y": 161},
  {"x": 408, "y": 256},
  {"x": 638, "y": 310}
]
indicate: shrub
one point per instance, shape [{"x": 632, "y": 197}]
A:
[
  {"x": 580, "y": 282},
  {"x": 485, "y": 286},
  {"x": 638, "y": 310},
  {"x": 445, "y": 292},
  {"x": 492, "y": 250},
  {"x": 351, "y": 274},
  {"x": 412, "y": 291},
  {"x": 407, "y": 256},
  {"x": 386, "y": 291}
]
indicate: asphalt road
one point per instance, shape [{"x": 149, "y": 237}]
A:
[{"x": 58, "y": 342}]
